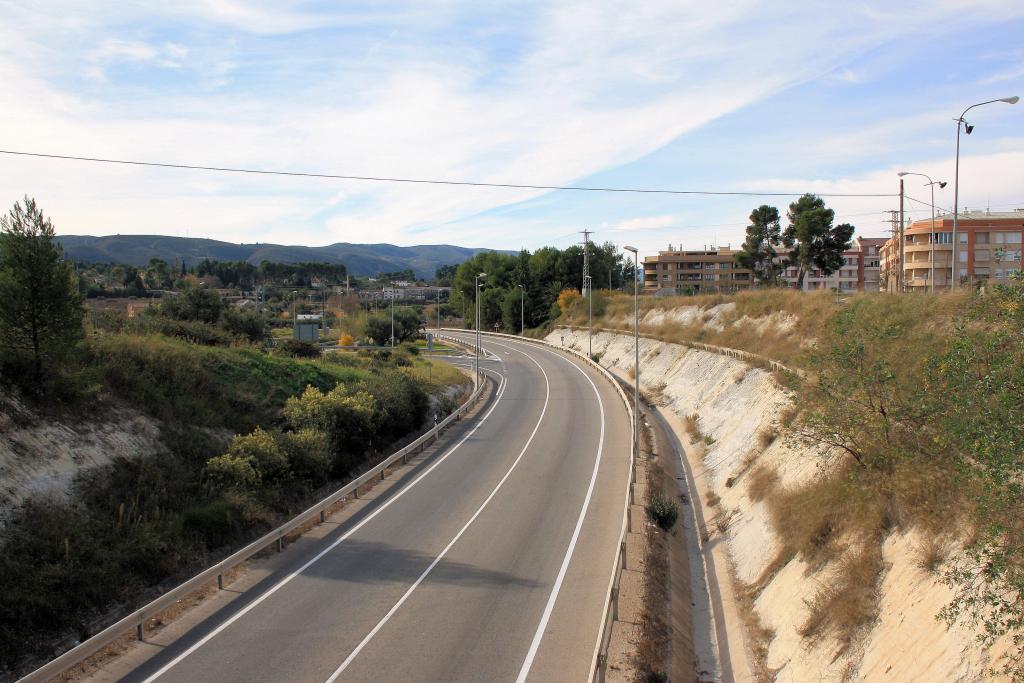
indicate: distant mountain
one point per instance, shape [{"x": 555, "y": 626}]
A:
[{"x": 360, "y": 259}]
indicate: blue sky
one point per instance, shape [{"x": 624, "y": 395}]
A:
[{"x": 741, "y": 95}]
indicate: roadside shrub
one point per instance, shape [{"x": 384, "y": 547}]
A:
[
  {"x": 293, "y": 348},
  {"x": 231, "y": 473},
  {"x": 346, "y": 339},
  {"x": 219, "y": 522},
  {"x": 250, "y": 325},
  {"x": 662, "y": 511},
  {"x": 308, "y": 455},
  {"x": 346, "y": 418},
  {"x": 262, "y": 450}
]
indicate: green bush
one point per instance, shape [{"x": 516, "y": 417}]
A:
[
  {"x": 232, "y": 473},
  {"x": 344, "y": 416},
  {"x": 293, "y": 348},
  {"x": 662, "y": 511},
  {"x": 219, "y": 522},
  {"x": 308, "y": 454}
]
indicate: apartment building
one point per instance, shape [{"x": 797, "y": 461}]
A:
[
  {"x": 860, "y": 272},
  {"x": 695, "y": 272},
  {"x": 989, "y": 248}
]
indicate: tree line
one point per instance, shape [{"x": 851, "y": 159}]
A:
[{"x": 527, "y": 284}]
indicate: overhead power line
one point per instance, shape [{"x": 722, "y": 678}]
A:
[{"x": 422, "y": 181}]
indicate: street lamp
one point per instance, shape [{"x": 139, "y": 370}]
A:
[
  {"x": 931, "y": 183},
  {"x": 476, "y": 364},
  {"x": 522, "y": 310},
  {"x": 392, "y": 315},
  {"x": 960, "y": 122},
  {"x": 636, "y": 351}
]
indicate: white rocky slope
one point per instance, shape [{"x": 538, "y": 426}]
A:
[
  {"x": 43, "y": 456},
  {"x": 734, "y": 401}
]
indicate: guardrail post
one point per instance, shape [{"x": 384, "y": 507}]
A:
[
  {"x": 622, "y": 549},
  {"x": 280, "y": 543},
  {"x": 138, "y": 632},
  {"x": 220, "y": 582},
  {"x": 615, "y": 603},
  {"x": 323, "y": 516}
]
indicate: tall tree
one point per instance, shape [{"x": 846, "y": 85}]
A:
[
  {"x": 814, "y": 242},
  {"x": 759, "y": 254},
  {"x": 40, "y": 307}
]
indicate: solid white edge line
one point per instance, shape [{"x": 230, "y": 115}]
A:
[
  {"x": 280, "y": 584},
  {"x": 426, "y": 572},
  {"x": 549, "y": 607}
]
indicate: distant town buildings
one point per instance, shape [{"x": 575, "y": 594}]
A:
[
  {"x": 694, "y": 272},
  {"x": 988, "y": 249},
  {"x": 715, "y": 270}
]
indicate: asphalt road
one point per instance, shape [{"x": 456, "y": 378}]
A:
[{"x": 490, "y": 564}]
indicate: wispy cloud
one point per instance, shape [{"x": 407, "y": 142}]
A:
[{"x": 549, "y": 93}]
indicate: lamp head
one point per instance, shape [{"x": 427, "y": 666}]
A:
[
  {"x": 903, "y": 173},
  {"x": 629, "y": 248},
  {"x": 1010, "y": 100},
  {"x": 482, "y": 275},
  {"x": 968, "y": 128},
  {"x": 942, "y": 184}
]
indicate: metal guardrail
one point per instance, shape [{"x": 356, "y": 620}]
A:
[
  {"x": 215, "y": 574},
  {"x": 599, "y": 665}
]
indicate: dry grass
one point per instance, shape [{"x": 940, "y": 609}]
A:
[
  {"x": 691, "y": 423},
  {"x": 653, "y": 645},
  {"x": 763, "y": 480},
  {"x": 713, "y": 499},
  {"x": 932, "y": 553},
  {"x": 847, "y": 605},
  {"x": 759, "y": 636},
  {"x": 766, "y": 436}
]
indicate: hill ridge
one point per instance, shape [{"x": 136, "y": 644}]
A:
[{"x": 359, "y": 258}]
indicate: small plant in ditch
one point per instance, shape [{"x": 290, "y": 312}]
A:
[{"x": 662, "y": 511}]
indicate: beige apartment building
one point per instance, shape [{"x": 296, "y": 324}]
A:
[
  {"x": 988, "y": 249},
  {"x": 695, "y": 272}
]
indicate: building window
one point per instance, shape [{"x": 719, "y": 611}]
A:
[
  {"x": 943, "y": 238},
  {"x": 963, "y": 256}
]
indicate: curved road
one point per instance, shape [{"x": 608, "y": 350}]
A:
[{"x": 490, "y": 564}]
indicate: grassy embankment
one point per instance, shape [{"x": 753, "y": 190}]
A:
[
  {"x": 918, "y": 402},
  {"x": 131, "y": 525}
]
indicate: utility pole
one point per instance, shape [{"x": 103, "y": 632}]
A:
[
  {"x": 894, "y": 221},
  {"x": 438, "y": 309}
]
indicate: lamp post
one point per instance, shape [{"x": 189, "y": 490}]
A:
[
  {"x": 392, "y": 315},
  {"x": 931, "y": 183},
  {"x": 961, "y": 123},
  {"x": 476, "y": 362},
  {"x": 636, "y": 351},
  {"x": 438, "y": 309},
  {"x": 522, "y": 310}
]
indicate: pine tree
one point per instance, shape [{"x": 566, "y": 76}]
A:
[
  {"x": 812, "y": 238},
  {"x": 759, "y": 253},
  {"x": 40, "y": 307}
]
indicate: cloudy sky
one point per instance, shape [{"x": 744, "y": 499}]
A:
[{"x": 734, "y": 95}]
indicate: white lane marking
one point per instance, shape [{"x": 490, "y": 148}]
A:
[
  {"x": 426, "y": 572},
  {"x": 280, "y": 584},
  {"x": 546, "y": 616}
]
